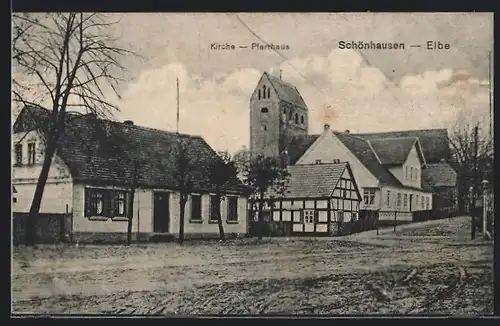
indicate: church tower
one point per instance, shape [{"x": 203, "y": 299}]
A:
[{"x": 277, "y": 114}]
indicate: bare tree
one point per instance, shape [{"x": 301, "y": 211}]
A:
[
  {"x": 222, "y": 171},
  {"x": 472, "y": 164},
  {"x": 64, "y": 61}
]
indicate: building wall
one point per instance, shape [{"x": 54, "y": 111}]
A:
[
  {"x": 143, "y": 215},
  {"x": 403, "y": 173},
  {"x": 266, "y": 141},
  {"x": 328, "y": 148},
  {"x": 57, "y": 195},
  {"x": 279, "y": 121}
]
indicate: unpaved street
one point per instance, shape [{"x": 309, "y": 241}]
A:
[{"x": 427, "y": 268}]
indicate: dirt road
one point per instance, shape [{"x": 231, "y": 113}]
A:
[{"x": 429, "y": 268}]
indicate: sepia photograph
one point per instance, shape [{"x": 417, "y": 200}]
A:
[{"x": 252, "y": 164}]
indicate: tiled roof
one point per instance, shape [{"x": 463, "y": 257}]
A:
[
  {"x": 362, "y": 150},
  {"x": 286, "y": 92},
  {"x": 434, "y": 142},
  {"x": 313, "y": 180},
  {"x": 440, "y": 175},
  {"x": 393, "y": 151},
  {"x": 298, "y": 146},
  {"x": 97, "y": 151}
]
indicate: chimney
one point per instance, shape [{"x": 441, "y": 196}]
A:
[
  {"x": 326, "y": 127},
  {"x": 347, "y": 131},
  {"x": 128, "y": 122}
]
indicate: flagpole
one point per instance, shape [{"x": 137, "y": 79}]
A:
[{"x": 177, "y": 130}]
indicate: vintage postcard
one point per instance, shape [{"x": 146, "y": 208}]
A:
[{"x": 252, "y": 164}]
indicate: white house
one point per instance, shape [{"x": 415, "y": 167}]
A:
[
  {"x": 87, "y": 179},
  {"x": 387, "y": 170}
]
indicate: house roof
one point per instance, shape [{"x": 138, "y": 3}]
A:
[
  {"x": 440, "y": 175},
  {"x": 362, "y": 150},
  {"x": 393, "y": 151},
  {"x": 313, "y": 180},
  {"x": 286, "y": 92},
  {"x": 97, "y": 151},
  {"x": 434, "y": 142}
]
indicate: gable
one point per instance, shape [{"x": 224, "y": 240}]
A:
[
  {"x": 328, "y": 148},
  {"x": 285, "y": 91}
]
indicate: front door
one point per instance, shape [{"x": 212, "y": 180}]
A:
[{"x": 161, "y": 212}]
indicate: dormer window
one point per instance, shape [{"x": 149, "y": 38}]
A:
[{"x": 264, "y": 110}]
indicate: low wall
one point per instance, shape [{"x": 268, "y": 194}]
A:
[
  {"x": 50, "y": 228},
  {"x": 143, "y": 237}
]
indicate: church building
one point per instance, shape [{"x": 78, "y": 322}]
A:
[{"x": 388, "y": 168}]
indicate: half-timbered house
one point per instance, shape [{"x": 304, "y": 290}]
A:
[{"x": 316, "y": 199}]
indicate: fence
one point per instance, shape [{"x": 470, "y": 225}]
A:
[{"x": 50, "y": 228}]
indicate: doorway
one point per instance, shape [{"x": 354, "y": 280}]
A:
[{"x": 161, "y": 212}]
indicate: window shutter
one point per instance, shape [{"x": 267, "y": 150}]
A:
[{"x": 87, "y": 203}]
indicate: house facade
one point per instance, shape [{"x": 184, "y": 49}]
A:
[
  {"x": 317, "y": 198},
  {"x": 94, "y": 185},
  {"x": 387, "y": 171}
]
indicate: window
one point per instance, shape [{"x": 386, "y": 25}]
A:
[
  {"x": 405, "y": 200},
  {"x": 19, "y": 154},
  {"x": 416, "y": 201},
  {"x": 264, "y": 91},
  {"x": 196, "y": 207},
  {"x": 296, "y": 118},
  {"x": 318, "y": 162},
  {"x": 411, "y": 172},
  {"x": 369, "y": 196},
  {"x": 388, "y": 199},
  {"x": 232, "y": 208},
  {"x": 427, "y": 203},
  {"x": 340, "y": 216},
  {"x": 214, "y": 207},
  {"x": 268, "y": 93},
  {"x": 31, "y": 153},
  {"x": 264, "y": 110},
  {"x": 259, "y": 94},
  {"x": 302, "y": 119},
  {"x": 290, "y": 116},
  {"x": 398, "y": 201},
  {"x": 423, "y": 203},
  {"x": 309, "y": 216},
  {"x": 120, "y": 203},
  {"x": 263, "y": 127},
  {"x": 105, "y": 203},
  {"x": 417, "y": 176}
]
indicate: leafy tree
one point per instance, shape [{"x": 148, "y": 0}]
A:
[
  {"x": 264, "y": 175},
  {"x": 222, "y": 173}
]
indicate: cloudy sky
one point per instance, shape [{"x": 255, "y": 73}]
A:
[{"x": 367, "y": 90}]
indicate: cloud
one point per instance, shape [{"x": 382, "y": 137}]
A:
[{"x": 341, "y": 89}]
